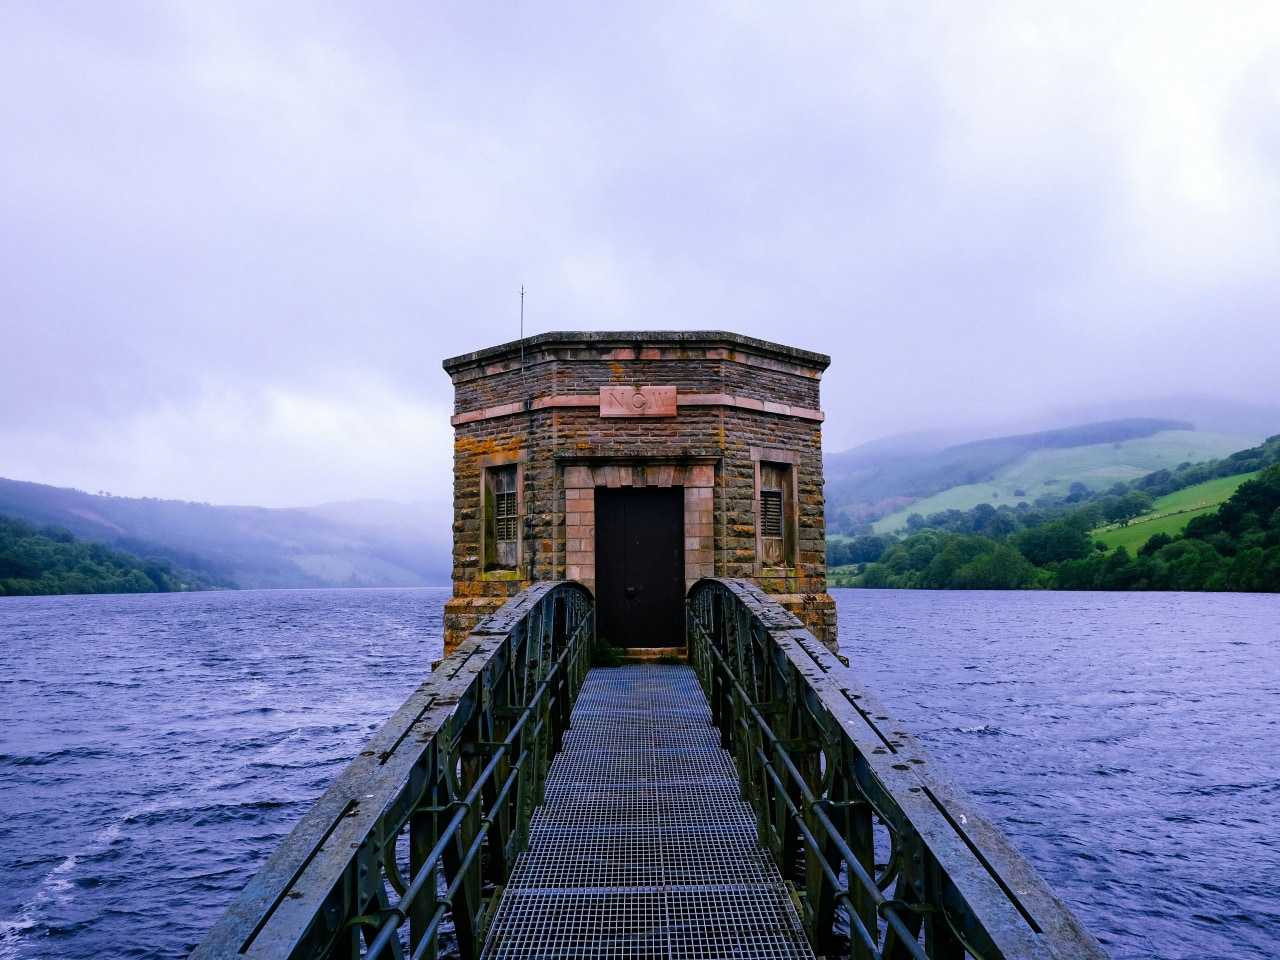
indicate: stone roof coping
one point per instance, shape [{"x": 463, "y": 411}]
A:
[{"x": 631, "y": 338}]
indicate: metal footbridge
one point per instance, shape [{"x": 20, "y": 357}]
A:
[
  {"x": 756, "y": 802},
  {"x": 643, "y": 845}
]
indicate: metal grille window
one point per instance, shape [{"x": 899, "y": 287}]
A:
[
  {"x": 771, "y": 513},
  {"x": 501, "y": 517},
  {"x": 776, "y": 539},
  {"x": 506, "y": 519}
]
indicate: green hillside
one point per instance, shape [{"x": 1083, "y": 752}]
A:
[
  {"x": 876, "y": 479},
  {"x": 1052, "y": 471},
  {"x": 43, "y": 561},
  {"x": 1170, "y": 514},
  {"x": 1234, "y": 545}
]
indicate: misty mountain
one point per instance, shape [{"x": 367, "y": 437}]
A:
[
  {"x": 899, "y": 445},
  {"x": 360, "y": 543},
  {"x": 1209, "y": 414},
  {"x": 383, "y": 543},
  {"x": 878, "y": 478}
]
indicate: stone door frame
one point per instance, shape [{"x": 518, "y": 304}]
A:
[{"x": 579, "y": 478}]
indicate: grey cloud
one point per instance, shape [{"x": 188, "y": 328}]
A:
[{"x": 212, "y": 207}]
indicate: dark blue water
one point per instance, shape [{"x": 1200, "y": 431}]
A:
[
  {"x": 154, "y": 748},
  {"x": 1129, "y": 744}
]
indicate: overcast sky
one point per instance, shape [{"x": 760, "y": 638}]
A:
[{"x": 237, "y": 240}]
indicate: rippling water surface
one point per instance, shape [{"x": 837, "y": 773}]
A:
[
  {"x": 1129, "y": 744},
  {"x": 154, "y": 748}
]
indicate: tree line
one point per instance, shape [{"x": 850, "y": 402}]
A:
[
  {"x": 1049, "y": 545},
  {"x": 38, "y": 561}
]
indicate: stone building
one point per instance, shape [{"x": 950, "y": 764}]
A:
[{"x": 637, "y": 463}]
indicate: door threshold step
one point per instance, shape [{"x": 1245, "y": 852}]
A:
[{"x": 654, "y": 654}]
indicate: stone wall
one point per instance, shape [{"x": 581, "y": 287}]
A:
[{"x": 738, "y": 402}]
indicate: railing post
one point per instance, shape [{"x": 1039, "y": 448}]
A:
[
  {"x": 425, "y": 826},
  {"x": 860, "y": 835},
  {"x": 466, "y": 901},
  {"x": 528, "y": 743},
  {"x": 942, "y": 942},
  {"x": 565, "y": 687},
  {"x": 496, "y": 723},
  {"x": 906, "y": 891}
]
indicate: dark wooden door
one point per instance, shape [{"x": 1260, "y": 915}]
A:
[{"x": 640, "y": 566}]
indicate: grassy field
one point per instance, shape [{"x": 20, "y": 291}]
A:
[
  {"x": 1097, "y": 466},
  {"x": 1173, "y": 512},
  {"x": 1207, "y": 494},
  {"x": 842, "y": 576}
]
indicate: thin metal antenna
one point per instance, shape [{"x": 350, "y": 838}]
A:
[{"x": 522, "y": 337}]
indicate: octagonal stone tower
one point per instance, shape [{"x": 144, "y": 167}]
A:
[{"x": 637, "y": 463}]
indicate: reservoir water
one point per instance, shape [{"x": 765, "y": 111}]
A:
[{"x": 153, "y": 749}]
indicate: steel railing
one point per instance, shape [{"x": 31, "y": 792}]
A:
[
  {"x": 889, "y": 860},
  {"x": 421, "y": 830}
]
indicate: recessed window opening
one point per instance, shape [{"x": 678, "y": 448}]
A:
[
  {"x": 502, "y": 518},
  {"x": 777, "y": 515}
]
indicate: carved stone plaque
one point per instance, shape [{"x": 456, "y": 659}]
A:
[{"x": 637, "y": 401}]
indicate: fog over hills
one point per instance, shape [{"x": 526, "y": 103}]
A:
[
  {"x": 1213, "y": 414},
  {"x": 381, "y": 542},
  {"x": 1209, "y": 414},
  {"x": 350, "y": 544}
]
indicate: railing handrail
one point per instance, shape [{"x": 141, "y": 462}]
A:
[
  {"x": 984, "y": 897},
  {"x": 513, "y": 680}
]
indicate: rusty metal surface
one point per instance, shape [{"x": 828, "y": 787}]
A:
[
  {"x": 879, "y": 842},
  {"x": 425, "y": 823}
]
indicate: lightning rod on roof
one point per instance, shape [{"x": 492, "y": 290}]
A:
[{"x": 522, "y": 382}]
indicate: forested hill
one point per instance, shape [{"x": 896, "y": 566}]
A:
[
  {"x": 1233, "y": 546},
  {"x": 881, "y": 482},
  {"x": 357, "y": 543},
  {"x": 38, "y": 561}
]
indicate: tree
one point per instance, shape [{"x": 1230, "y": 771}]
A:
[
  {"x": 1188, "y": 565},
  {"x": 1154, "y": 544},
  {"x": 1118, "y": 572},
  {"x": 1133, "y": 504},
  {"x": 1077, "y": 492},
  {"x": 1054, "y": 542},
  {"x": 869, "y": 549},
  {"x": 956, "y": 552},
  {"x": 137, "y": 582},
  {"x": 1002, "y": 568},
  {"x": 1078, "y": 574}
]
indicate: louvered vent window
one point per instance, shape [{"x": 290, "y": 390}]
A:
[
  {"x": 501, "y": 518},
  {"x": 776, "y": 543},
  {"x": 506, "y": 518},
  {"x": 771, "y": 513}
]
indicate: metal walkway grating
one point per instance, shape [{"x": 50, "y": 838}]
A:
[{"x": 643, "y": 847}]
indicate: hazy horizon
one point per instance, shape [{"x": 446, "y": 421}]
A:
[{"x": 239, "y": 240}]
